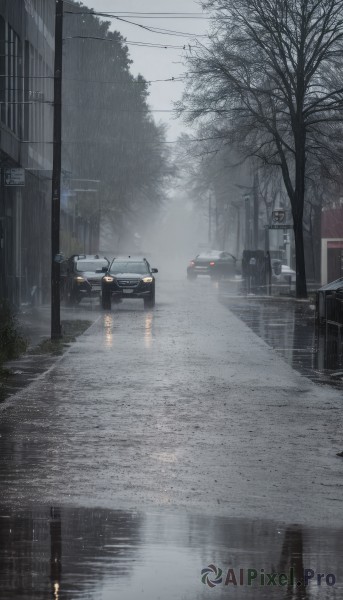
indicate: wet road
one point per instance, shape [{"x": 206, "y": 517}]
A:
[
  {"x": 184, "y": 421},
  {"x": 67, "y": 553},
  {"x": 289, "y": 328}
]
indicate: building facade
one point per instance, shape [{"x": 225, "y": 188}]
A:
[
  {"x": 332, "y": 243},
  {"x": 26, "y": 148}
]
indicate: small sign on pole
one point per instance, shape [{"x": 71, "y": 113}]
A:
[
  {"x": 14, "y": 177},
  {"x": 280, "y": 226}
]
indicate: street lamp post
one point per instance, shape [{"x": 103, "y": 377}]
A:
[{"x": 247, "y": 222}]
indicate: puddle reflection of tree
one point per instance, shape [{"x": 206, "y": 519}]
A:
[
  {"x": 64, "y": 552},
  {"x": 56, "y": 552},
  {"x": 292, "y": 558}
]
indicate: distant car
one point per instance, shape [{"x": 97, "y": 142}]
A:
[
  {"x": 214, "y": 263},
  {"x": 128, "y": 277},
  {"x": 81, "y": 277}
]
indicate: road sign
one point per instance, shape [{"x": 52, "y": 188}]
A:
[{"x": 14, "y": 177}]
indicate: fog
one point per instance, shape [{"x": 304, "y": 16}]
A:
[{"x": 173, "y": 236}]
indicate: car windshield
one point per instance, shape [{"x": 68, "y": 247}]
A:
[
  {"x": 129, "y": 267},
  {"x": 90, "y": 265},
  {"x": 212, "y": 254}
]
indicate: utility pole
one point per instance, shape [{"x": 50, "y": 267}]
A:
[
  {"x": 56, "y": 177},
  {"x": 256, "y": 208},
  {"x": 209, "y": 218},
  {"x": 247, "y": 223}
]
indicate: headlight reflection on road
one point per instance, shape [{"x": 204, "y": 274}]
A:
[
  {"x": 56, "y": 591},
  {"x": 108, "y": 322},
  {"x": 148, "y": 329}
]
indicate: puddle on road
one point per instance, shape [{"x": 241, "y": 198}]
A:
[
  {"x": 67, "y": 553},
  {"x": 289, "y": 328}
]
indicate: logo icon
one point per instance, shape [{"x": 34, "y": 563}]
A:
[
  {"x": 211, "y": 576},
  {"x": 278, "y": 215}
]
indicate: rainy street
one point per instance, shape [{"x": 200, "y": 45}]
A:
[
  {"x": 169, "y": 436},
  {"x": 171, "y": 299}
]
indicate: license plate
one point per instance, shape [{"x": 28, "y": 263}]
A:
[{"x": 127, "y": 291}]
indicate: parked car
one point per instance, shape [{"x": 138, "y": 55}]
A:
[
  {"x": 214, "y": 263},
  {"x": 128, "y": 277},
  {"x": 81, "y": 276},
  {"x": 282, "y": 274}
]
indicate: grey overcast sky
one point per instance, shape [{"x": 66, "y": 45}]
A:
[{"x": 157, "y": 63}]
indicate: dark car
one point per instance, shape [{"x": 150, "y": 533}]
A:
[
  {"x": 129, "y": 277},
  {"x": 214, "y": 263},
  {"x": 81, "y": 277}
]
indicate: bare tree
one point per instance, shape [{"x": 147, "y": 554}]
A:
[{"x": 271, "y": 80}]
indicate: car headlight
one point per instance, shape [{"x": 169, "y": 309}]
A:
[
  {"x": 108, "y": 278},
  {"x": 147, "y": 279},
  {"x": 79, "y": 279}
]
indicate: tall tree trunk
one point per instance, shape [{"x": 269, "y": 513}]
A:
[
  {"x": 301, "y": 287},
  {"x": 256, "y": 209},
  {"x": 297, "y": 203}
]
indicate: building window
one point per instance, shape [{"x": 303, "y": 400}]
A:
[{"x": 11, "y": 84}]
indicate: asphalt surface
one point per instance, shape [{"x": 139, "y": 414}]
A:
[{"x": 181, "y": 417}]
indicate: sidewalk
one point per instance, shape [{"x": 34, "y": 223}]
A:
[{"x": 33, "y": 323}]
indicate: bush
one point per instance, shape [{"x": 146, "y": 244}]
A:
[{"x": 12, "y": 344}]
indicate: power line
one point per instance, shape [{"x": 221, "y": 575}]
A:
[
  {"x": 143, "y": 82},
  {"x": 99, "y": 82},
  {"x": 177, "y": 33},
  {"x": 35, "y": 102},
  {"x": 147, "y": 111},
  {"x": 139, "y": 14},
  {"x": 144, "y": 142},
  {"x": 133, "y": 12},
  {"x": 27, "y": 76},
  {"x": 126, "y": 42},
  {"x": 135, "y": 82},
  {"x": 150, "y": 29},
  {"x": 158, "y": 30}
]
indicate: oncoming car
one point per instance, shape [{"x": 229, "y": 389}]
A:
[
  {"x": 128, "y": 278},
  {"x": 215, "y": 263},
  {"x": 81, "y": 277}
]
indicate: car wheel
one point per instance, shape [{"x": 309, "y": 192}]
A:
[
  {"x": 149, "y": 302},
  {"x": 191, "y": 276},
  {"x": 106, "y": 301}
]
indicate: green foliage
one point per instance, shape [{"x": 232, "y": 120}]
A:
[
  {"x": 12, "y": 344},
  {"x": 108, "y": 131}
]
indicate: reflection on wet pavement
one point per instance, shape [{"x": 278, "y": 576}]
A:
[
  {"x": 108, "y": 330},
  {"x": 68, "y": 553},
  {"x": 289, "y": 328},
  {"x": 148, "y": 329}
]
